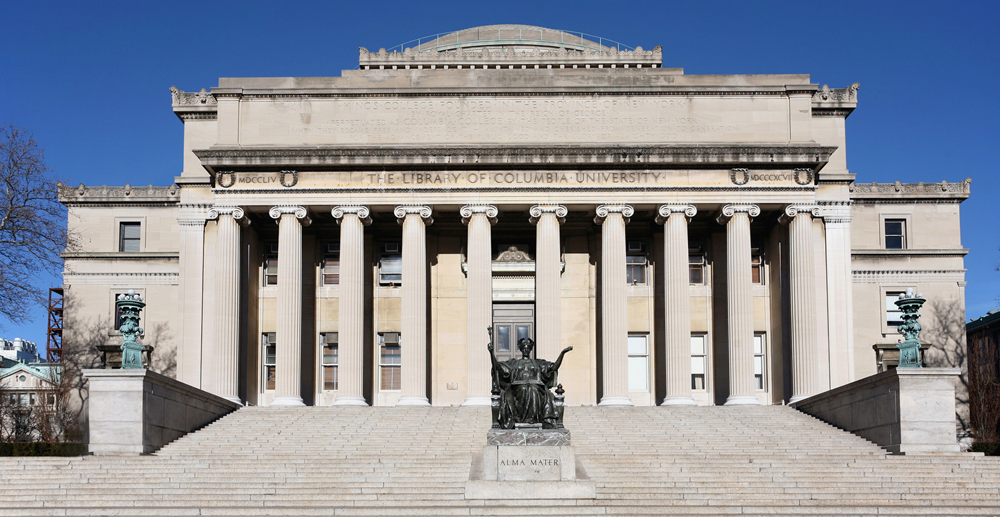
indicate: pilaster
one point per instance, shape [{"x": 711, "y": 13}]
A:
[
  {"x": 739, "y": 298},
  {"x": 837, "y": 220},
  {"x": 677, "y": 302},
  {"x": 191, "y": 265},
  {"x": 479, "y": 299},
  {"x": 614, "y": 304},
  {"x": 352, "y": 220},
  {"x": 413, "y": 388}
]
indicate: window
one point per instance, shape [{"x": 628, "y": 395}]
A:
[
  {"x": 503, "y": 338},
  {"x": 696, "y": 268},
  {"x": 390, "y": 269},
  {"x": 50, "y": 399},
  {"x": 129, "y": 237},
  {"x": 22, "y": 399},
  {"x": 895, "y": 234},
  {"x": 758, "y": 361},
  {"x": 757, "y": 267},
  {"x": 635, "y": 263},
  {"x": 331, "y": 263},
  {"x": 699, "y": 363},
  {"x": 638, "y": 363},
  {"x": 389, "y": 360},
  {"x": 893, "y": 316},
  {"x": 270, "y": 350},
  {"x": 271, "y": 264},
  {"x": 329, "y": 341},
  {"x": 31, "y": 399}
]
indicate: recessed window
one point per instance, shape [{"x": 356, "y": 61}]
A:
[
  {"x": 270, "y": 353},
  {"x": 331, "y": 263},
  {"x": 271, "y": 264},
  {"x": 50, "y": 399},
  {"x": 635, "y": 263},
  {"x": 758, "y": 361},
  {"x": 390, "y": 266},
  {"x": 390, "y": 360},
  {"x": 696, "y": 268},
  {"x": 638, "y": 363},
  {"x": 699, "y": 363},
  {"x": 893, "y": 316},
  {"x": 129, "y": 237},
  {"x": 895, "y": 234},
  {"x": 331, "y": 356}
]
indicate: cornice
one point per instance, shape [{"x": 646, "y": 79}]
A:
[
  {"x": 471, "y": 157},
  {"x": 910, "y": 191},
  {"x": 910, "y": 253},
  {"x": 128, "y": 195},
  {"x": 618, "y": 189},
  {"x": 121, "y": 255}
]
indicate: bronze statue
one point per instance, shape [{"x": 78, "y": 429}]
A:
[{"x": 521, "y": 389}]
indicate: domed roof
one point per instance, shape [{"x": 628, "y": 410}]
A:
[{"x": 520, "y": 36}]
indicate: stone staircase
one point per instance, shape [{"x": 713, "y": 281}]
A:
[{"x": 745, "y": 460}]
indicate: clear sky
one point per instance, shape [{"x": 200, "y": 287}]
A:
[{"x": 91, "y": 79}]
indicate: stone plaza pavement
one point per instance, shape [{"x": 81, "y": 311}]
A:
[{"x": 680, "y": 460}]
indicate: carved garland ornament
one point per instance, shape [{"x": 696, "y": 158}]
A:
[
  {"x": 226, "y": 179},
  {"x": 743, "y": 174},
  {"x": 288, "y": 183},
  {"x": 809, "y": 176}
]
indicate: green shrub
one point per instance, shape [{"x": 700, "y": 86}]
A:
[
  {"x": 42, "y": 449},
  {"x": 988, "y": 448}
]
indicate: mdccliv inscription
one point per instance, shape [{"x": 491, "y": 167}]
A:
[{"x": 522, "y": 395}]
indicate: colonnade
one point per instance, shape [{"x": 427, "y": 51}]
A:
[{"x": 547, "y": 218}]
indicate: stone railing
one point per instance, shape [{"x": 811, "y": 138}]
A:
[
  {"x": 904, "y": 410},
  {"x": 126, "y": 194},
  {"x": 943, "y": 189},
  {"x": 509, "y": 56}
]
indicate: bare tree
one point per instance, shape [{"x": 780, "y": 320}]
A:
[{"x": 32, "y": 223}]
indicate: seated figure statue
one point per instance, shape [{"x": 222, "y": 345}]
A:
[{"x": 524, "y": 386}]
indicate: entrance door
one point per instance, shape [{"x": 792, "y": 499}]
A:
[{"x": 511, "y": 323}]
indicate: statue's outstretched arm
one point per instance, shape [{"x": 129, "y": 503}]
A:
[{"x": 558, "y": 362}]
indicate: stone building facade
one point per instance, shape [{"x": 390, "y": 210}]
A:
[{"x": 348, "y": 240}]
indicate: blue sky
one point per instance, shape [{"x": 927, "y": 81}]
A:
[{"x": 91, "y": 79}]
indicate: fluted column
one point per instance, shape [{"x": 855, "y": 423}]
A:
[
  {"x": 548, "y": 279},
  {"x": 413, "y": 388},
  {"x": 288, "y": 377},
  {"x": 677, "y": 301},
  {"x": 802, "y": 283},
  {"x": 739, "y": 302},
  {"x": 479, "y": 301},
  {"x": 227, "y": 301},
  {"x": 614, "y": 304},
  {"x": 350, "y": 367}
]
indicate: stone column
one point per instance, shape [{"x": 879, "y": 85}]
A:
[
  {"x": 677, "y": 301},
  {"x": 614, "y": 304},
  {"x": 837, "y": 218},
  {"x": 191, "y": 265},
  {"x": 350, "y": 368},
  {"x": 548, "y": 279},
  {"x": 739, "y": 302},
  {"x": 227, "y": 301},
  {"x": 802, "y": 287},
  {"x": 479, "y": 301},
  {"x": 413, "y": 389},
  {"x": 288, "y": 377}
]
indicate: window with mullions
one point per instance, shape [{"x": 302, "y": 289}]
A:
[
  {"x": 893, "y": 316},
  {"x": 696, "y": 268},
  {"x": 331, "y": 263},
  {"x": 270, "y": 352},
  {"x": 758, "y": 361},
  {"x": 331, "y": 356},
  {"x": 129, "y": 237},
  {"x": 635, "y": 263},
  {"x": 390, "y": 265},
  {"x": 270, "y": 264},
  {"x": 699, "y": 363},
  {"x": 389, "y": 361},
  {"x": 757, "y": 268},
  {"x": 638, "y": 363},
  {"x": 895, "y": 234}
]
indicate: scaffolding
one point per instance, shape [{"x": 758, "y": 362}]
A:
[{"x": 54, "y": 342}]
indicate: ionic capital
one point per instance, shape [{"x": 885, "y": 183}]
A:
[
  {"x": 237, "y": 213},
  {"x": 536, "y": 212},
  {"x": 468, "y": 211},
  {"x": 299, "y": 212},
  {"x": 793, "y": 210},
  {"x": 423, "y": 211},
  {"x": 836, "y": 212},
  {"x": 665, "y": 211},
  {"x": 361, "y": 211},
  {"x": 729, "y": 211},
  {"x": 604, "y": 210}
]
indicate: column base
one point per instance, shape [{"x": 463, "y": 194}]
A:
[
  {"x": 413, "y": 401},
  {"x": 615, "y": 401},
  {"x": 742, "y": 400},
  {"x": 287, "y": 401},
  {"x": 477, "y": 401},
  {"x": 350, "y": 401},
  {"x": 678, "y": 401}
]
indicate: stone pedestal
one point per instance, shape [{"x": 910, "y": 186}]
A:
[{"x": 528, "y": 464}]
